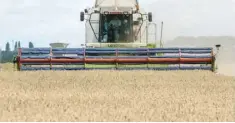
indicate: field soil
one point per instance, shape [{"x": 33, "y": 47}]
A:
[{"x": 116, "y": 96}]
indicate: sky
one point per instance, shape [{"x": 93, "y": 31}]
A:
[{"x": 47, "y": 21}]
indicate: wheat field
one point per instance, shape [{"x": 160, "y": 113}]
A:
[{"x": 116, "y": 96}]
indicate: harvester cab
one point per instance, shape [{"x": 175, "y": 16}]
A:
[{"x": 119, "y": 23}]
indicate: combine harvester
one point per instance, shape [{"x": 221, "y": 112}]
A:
[{"x": 117, "y": 37}]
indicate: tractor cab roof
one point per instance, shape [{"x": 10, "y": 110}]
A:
[{"x": 116, "y": 3}]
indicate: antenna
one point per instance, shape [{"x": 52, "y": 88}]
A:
[{"x": 161, "y": 44}]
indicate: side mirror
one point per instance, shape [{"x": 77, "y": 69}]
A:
[
  {"x": 82, "y": 16},
  {"x": 150, "y": 17},
  {"x": 85, "y": 10}
]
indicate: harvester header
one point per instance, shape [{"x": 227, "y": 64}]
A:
[{"x": 116, "y": 58}]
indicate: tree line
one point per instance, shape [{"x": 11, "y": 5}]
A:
[{"x": 8, "y": 54}]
